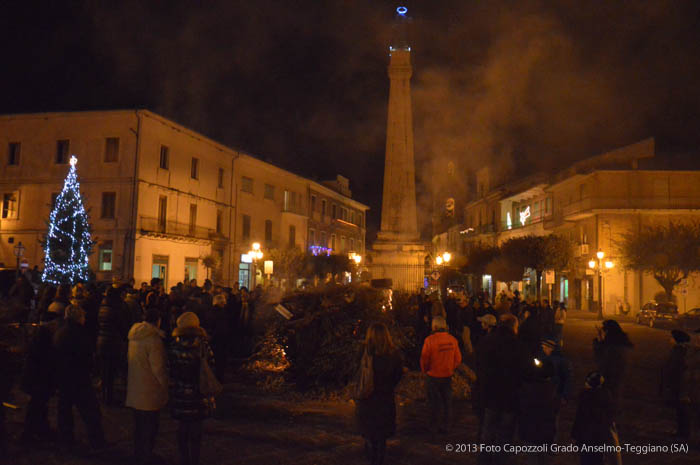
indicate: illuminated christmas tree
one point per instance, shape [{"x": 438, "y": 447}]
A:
[{"x": 68, "y": 244}]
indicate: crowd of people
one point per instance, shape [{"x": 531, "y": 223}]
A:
[
  {"x": 522, "y": 377},
  {"x": 173, "y": 349},
  {"x": 86, "y": 337}
]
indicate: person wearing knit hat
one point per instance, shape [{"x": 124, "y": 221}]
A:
[
  {"x": 190, "y": 403},
  {"x": 188, "y": 320},
  {"x": 594, "y": 417},
  {"x": 673, "y": 383}
]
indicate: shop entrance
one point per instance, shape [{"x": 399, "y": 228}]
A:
[{"x": 160, "y": 268}]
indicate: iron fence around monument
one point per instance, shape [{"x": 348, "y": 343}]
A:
[{"x": 404, "y": 277}]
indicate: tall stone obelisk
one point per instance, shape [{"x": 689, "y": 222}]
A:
[{"x": 398, "y": 253}]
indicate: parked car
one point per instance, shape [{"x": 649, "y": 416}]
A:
[
  {"x": 690, "y": 320},
  {"x": 658, "y": 314}
]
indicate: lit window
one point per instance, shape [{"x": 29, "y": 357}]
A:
[
  {"x": 106, "y": 256},
  {"x": 9, "y": 205}
]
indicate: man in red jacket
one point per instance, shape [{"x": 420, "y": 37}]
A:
[{"x": 439, "y": 358}]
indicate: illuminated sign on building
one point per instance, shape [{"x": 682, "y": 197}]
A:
[{"x": 524, "y": 215}]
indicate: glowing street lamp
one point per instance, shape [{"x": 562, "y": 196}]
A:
[
  {"x": 446, "y": 257},
  {"x": 599, "y": 264},
  {"x": 438, "y": 260}
]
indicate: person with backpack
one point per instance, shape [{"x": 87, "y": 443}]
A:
[
  {"x": 190, "y": 356},
  {"x": 376, "y": 410}
]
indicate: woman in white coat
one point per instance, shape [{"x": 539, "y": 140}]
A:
[{"x": 147, "y": 382}]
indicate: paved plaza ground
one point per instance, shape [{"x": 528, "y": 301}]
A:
[{"x": 255, "y": 429}]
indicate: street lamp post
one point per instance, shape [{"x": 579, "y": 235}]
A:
[
  {"x": 19, "y": 252},
  {"x": 255, "y": 254},
  {"x": 442, "y": 261},
  {"x": 608, "y": 265}
]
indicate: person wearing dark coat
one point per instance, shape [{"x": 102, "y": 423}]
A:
[
  {"x": 537, "y": 401},
  {"x": 376, "y": 415},
  {"x": 531, "y": 330},
  {"x": 21, "y": 294},
  {"x": 671, "y": 385},
  {"x": 188, "y": 405},
  {"x": 610, "y": 352},
  {"x": 594, "y": 419},
  {"x": 91, "y": 305},
  {"x": 111, "y": 339},
  {"x": 39, "y": 375},
  {"x": 501, "y": 360},
  {"x": 73, "y": 368}
]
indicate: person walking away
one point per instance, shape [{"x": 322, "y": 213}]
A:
[
  {"x": 501, "y": 359},
  {"x": 376, "y": 415},
  {"x": 188, "y": 349},
  {"x": 488, "y": 323},
  {"x": 594, "y": 419},
  {"x": 610, "y": 350},
  {"x": 537, "y": 408},
  {"x": 440, "y": 357},
  {"x": 559, "y": 320},
  {"x": 671, "y": 383},
  {"x": 147, "y": 383},
  {"x": 111, "y": 324},
  {"x": 39, "y": 376},
  {"x": 73, "y": 367}
]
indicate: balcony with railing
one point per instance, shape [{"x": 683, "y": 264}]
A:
[
  {"x": 650, "y": 202},
  {"x": 159, "y": 228}
]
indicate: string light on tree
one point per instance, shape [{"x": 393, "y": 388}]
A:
[{"x": 68, "y": 244}]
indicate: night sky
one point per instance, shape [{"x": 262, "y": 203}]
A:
[{"x": 527, "y": 85}]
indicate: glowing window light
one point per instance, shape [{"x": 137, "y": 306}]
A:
[{"x": 509, "y": 221}]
